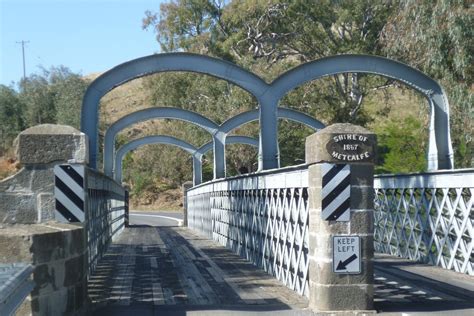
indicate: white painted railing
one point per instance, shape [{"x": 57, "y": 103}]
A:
[
  {"x": 427, "y": 217},
  {"x": 262, "y": 217}
]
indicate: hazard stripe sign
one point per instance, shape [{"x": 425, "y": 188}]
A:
[
  {"x": 336, "y": 192},
  {"x": 69, "y": 193}
]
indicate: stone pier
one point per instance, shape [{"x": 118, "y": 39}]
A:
[
  {"x": 28, "y": 232},
  {"x": 341, "y": 276}
]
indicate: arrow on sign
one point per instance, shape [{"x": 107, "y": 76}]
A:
[{"x": 342, "y": 264}]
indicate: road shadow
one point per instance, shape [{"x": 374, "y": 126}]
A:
[
  {"x": 151, "y": 270},
  {"x": 399, "y": 290}
]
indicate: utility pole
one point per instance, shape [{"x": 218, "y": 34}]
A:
[{"x": 23, "y": 51}]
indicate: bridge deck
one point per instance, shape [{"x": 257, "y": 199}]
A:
[
  {"x": 161, "y": 270},
  {"x": 151, "y": 269}
]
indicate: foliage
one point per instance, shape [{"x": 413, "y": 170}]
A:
[
  {"x": 54, "y": 96},
  {"x": 268, "y": 37},
  {"x": 11, "y": 116},
  {"x": 293, "y": 135},
  {"x": 39, "y": 100},
  {"x": 401, "y": 140},
  {"x": 68, "y": 94},
  {"x": 438, "y": 38}
]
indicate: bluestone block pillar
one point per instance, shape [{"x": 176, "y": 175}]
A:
[
  {"x": 332, "y": 288},
  {"x": 28, "y": 196}
]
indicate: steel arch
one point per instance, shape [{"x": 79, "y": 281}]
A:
[
  {"x": 204, "y": 149},
  {"x": 155, "y": 113},
  {"x": 196, "y": 153},
  {"x": 197, "y": 119},
  {"x": 152, "y": 64},
  {"x": 282, "y": 113},
  {"x": 157, "y": 139},
  {"x": 440, "y": 152}
]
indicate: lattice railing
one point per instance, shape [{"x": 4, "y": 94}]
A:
[
  {"x": 263, "y": 218},
  {"x": 427, "y": 217},
  {"x": 105, "y": 214}
]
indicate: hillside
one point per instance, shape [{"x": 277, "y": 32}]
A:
[{"x": 386, "y": 107}]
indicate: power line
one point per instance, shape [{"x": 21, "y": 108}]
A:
[{"x": 23, "y": 51}]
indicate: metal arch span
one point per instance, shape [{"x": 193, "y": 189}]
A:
[
  {"x": 300, "y": 117},
  {"x": 196, "y": 153},
  {"x": 147, "y": 140},
  {"x": 153, "y": 64},
  {"x": 282, "y": 113},
  {"x": 440, "y": 152},
  {"x": 197, "y": 119},
  {"x": 153, "y": 113},
  {"x": 208, "y": 146},
  {"x": 204, "y": 149},
  {"x": 269, "y": 95}
]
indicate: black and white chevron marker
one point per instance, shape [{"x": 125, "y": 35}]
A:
[
  {"x": 69, "y": 193},
  {"x": 336, "y": 192}
]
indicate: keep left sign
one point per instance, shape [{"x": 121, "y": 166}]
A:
[{"x": 346, "y": 254}]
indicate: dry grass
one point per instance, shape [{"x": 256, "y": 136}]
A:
[
  {"x": 168, "y": 200},
  {"x": 8, "y": 167},
  {"x": 123, "y": 100}
]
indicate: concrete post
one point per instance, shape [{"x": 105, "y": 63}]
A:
[
  {"x": 340, "y": 277},
  {"x": 186, "y": 186}
]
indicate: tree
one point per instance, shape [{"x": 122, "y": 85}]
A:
[
  {"x": 53, "y": 96},
  {"x": 68, "y": 94},
  {"x": 11, "y": 116},
  {"x": 268, "y": 38},
  {"x": 398, "y": 147},
  {"x": 299, "y": 31},
  {"x": 437, "y": 37},
  {"x": 184, "y": 24},
  {"x": 38, "y": 99},
  {"x": 280, "y": 34}
]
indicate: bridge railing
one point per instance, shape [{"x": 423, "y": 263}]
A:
[
  {"x": 262, "y": 217},
  {"x": 427, "y": 217},
  {"x": 100, "y": 203},
  {"x": 105, "y": 213}
]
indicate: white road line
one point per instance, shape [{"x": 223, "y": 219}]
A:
[{"x": 180, "y": 221}]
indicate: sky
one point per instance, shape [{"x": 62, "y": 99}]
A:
[{"x": 87, "y": 36}]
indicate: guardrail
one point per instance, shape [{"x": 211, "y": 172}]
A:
[
  {"x": 262, "y": 217},
  {"x": 427, "y": 217},
  {"x": 15, "y": 285}
]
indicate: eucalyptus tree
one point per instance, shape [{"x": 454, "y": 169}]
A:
[{"x": 437, "y": 37}]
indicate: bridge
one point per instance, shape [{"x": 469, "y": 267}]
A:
[{"x": 324, "y": 237}]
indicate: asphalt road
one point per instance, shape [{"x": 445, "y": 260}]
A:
[{"x": 156, "y": 218}]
